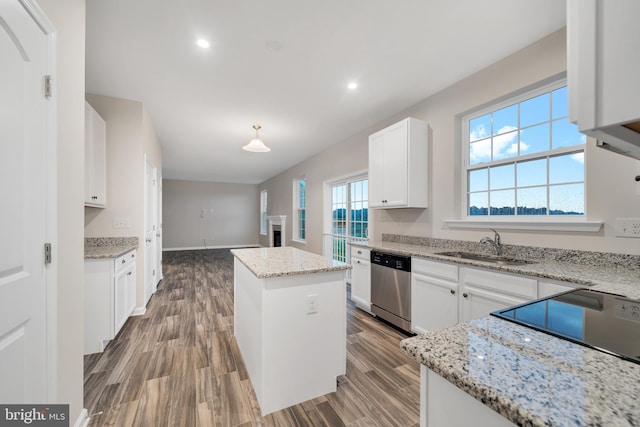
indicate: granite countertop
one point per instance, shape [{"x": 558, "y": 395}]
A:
[
  {"x": 285, "y": 261},
  {"x": 607, "y": 272},
  {"x": 532, "y": 378},
  {"x": 108, "y": 247}
]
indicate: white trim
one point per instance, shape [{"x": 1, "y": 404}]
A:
[
  {"x": 280, "y": 220},
  {"x": 139, "y": 311},
  {"x": 83, "y": 419},
  {"x": 326, "y": 196},
  {"x": 264, "y": 206},
  {"x": 570, "y": 226},
  {"x": 51, "y": 204},
  {"x": 300, "y": 242},
  {"x": 198, "y": 248},
  {"x": 528, "y": 223},
  {"x": 295, "y": 220}
]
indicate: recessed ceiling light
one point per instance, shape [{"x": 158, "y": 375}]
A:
[
  {"x": 202, "y": 43},
  {"x": 352, "y": 85}
]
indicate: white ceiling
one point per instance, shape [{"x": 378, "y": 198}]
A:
[{"x": 285, "y": 64}]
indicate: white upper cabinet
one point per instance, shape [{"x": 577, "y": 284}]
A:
[
  {"x": 95, "y": 158},
  {"x": 398, "y": 166},
  {"x": 603, "y": 66}
]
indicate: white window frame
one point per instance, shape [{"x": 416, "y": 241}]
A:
[
  {"x": 327, "y": 217},
  {"x": 517, "y": 222},
  {"x": 295, "y": 226},
  {"x": 263, "y": 213}
]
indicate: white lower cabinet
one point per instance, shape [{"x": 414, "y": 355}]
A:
[
  {"x": 443, "y": 294},
  {"x": 434, "y": 295},
  {"x": 124, "y": 295},
  {"x": 449, "y": 406},
  {"x": 482, "y": 292},
  {"x": 361, "y": 277},
  {"x": 548, "y": 288},
  {"x": 109, "y": 298}
]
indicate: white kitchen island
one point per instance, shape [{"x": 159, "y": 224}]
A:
[{"x": 290, "y": 323}]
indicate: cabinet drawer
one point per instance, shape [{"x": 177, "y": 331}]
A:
[
  {"x": 435, "y": 269},
  {"x": 505, "y": 283},
  {"x": 360, "y": 253},
  {"x": 123, "y": 261}
]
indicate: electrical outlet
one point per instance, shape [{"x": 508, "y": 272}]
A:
[
  {"x": 629, "y": 310},
  {"x": 628, "y": 227},
  {"x": 312, "y": 304},
  {"x": 121, "y": 223}
]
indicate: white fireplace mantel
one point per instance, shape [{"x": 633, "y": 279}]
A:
[{"x": 280, "y": 220}]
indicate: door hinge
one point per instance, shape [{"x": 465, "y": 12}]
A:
[
  {"x": 47, "y": 253},
  {"x": 48, "y": 86}
]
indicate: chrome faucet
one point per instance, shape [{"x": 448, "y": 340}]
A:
[{"x": 495, "y": 242}]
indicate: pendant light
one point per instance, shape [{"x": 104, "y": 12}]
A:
[{"x": 256, "y": 145}]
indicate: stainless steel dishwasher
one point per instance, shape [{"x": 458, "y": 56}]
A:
[{"x": 391, "y": 288}]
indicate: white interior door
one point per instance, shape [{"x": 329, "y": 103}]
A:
[
  {"x": 159, "y": 229},
  {"x": 24, "y": 143},
  {"x": 150, "y": 211}
]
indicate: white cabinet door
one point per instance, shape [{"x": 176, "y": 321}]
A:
[
  {"x": 395, "y": 165},
  {"x": 120, "y": 300},
  {"x": 361, "y": 278},
  {"x": 546, "y": 289},
  {"x": 398, "y": 165},
  {"x": 376, "y": 170},
  {"x": 603, "y": 68},
  {"x": 482, "y": 292},
  {"x": 479, "y": 302},
  {"x": 95, "y": 174},
  {"x": 124, "y": 296},
  {"x": 434, "y": 303},
  {"x": 131, "y": 290}
]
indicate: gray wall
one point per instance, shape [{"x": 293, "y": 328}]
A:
[
  {"x": 610, "y": 194},
  {"x": 209, "y": 214}
]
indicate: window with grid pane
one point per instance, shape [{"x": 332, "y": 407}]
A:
[
  {"x": 524, "y": 157},
  {"x": 263, "y": 212},
  {"x": 299, "y": 209}
]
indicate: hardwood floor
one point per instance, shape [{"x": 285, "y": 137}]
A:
[{"x": 179, "y": 365}]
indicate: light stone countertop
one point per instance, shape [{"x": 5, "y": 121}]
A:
[
  {"x": 285, "y": 261},
  {"x": 108, "y": 247},
  {"x": 532, "y": 378}
]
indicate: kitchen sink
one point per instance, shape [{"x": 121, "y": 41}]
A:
[{"x": 500, "y": 260}]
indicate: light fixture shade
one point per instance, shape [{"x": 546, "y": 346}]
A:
[{"x": 256, "y": 145}]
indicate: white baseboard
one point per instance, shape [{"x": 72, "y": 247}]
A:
[
  {"x": 139, "y": 311},
  {"x": 199, "y": 248},
  {"x": 83, "y": 419}
]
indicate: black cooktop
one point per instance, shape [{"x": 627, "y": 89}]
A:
[{"x": 600, "y": 320}]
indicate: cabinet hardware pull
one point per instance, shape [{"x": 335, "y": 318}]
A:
[
  {"x": 129, "y": 273},
  {"x": 465, "y": 295},
  {"x": 124, "y": 260},
  {"x": 452, "y": 292}
]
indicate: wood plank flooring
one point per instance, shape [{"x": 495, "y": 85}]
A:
[{"x": 179, "y": 364}]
